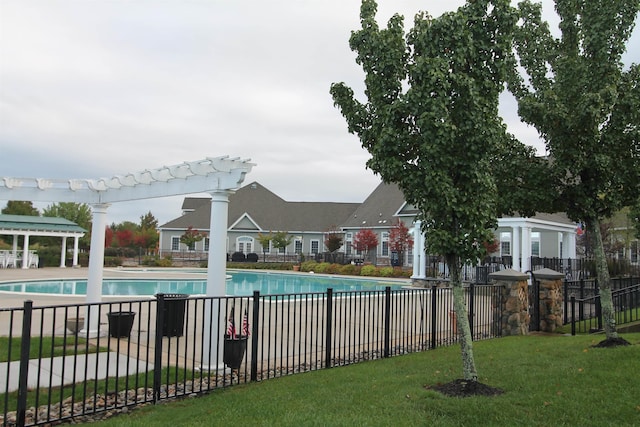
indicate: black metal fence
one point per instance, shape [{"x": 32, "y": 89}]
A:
[
  {"x": 145, "y": 350},
  {"x": 582, "y": 307}
]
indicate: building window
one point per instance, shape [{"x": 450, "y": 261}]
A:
[
  {"x": 315, "y": 246},
  {"x": 384, "y": 237},
  {"x": 634, "y": 251},
  {"x": 175, "y": 243},
  {"x": 348, "y": 243},
  {"x": 298, "y": 246},
  {"x": 505, "y": 244},
  {"x": 206, "y": 244}
]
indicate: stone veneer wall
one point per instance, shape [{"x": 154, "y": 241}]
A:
[
  {"x": 551, "y": 299},
  {"x": 511, "y": 307}
]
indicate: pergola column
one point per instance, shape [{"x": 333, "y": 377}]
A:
[
  {"x": 215, "y": 309},
  {"x": 96, "y": 264},
  {"x": 63, "y": 253}
]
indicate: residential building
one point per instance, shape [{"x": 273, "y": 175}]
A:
[{"x": 253, "y": 209}]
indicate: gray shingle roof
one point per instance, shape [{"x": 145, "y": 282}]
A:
[
  {"x": 379, "y": 209},
  {"x": 268, "y": 211}
]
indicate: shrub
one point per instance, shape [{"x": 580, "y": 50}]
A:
[
  {"x": 386, "y": 272},
  {"x": 349, "y": 270},
  {"x": 368, "y": 270},
  {"x": 252, "y": 257},
  {"x": 308, "y": 266},
  {"x": 322, "y": 267},
  {"x": 238, "y": 257},
  {"x": 334, "y": 269},
  {"x": 163, "y": 262},
  {"x": 112, "y": 261}
]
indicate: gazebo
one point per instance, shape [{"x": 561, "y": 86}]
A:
[
  {"x": 218, "y": 176},
  {"x": 27, "y": 226}
]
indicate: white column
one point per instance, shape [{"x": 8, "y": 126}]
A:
[
  {"x": 216, "y": 281},
  {"x": 418, "y": 252},
  {"x": 76, "y": 240},
  {"x": 515, "y": 249},
  {"x": 15, "y": 245},
  {"x": 569, "y": 245},
  {"x": 25, "y": 252},
  {"x": 526, "y": 248},
  {"x": 63, "y": 252},
  {"x": 96, "y": 264}
]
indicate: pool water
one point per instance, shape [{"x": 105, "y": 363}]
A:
[{"x": 240, "y": 284}]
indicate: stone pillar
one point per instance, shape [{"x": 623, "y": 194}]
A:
[
  {"x": 511, "y": 310},
  {"x": 551, "y": 299}
]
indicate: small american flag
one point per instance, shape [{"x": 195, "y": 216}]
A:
[
  {"x": 245, "y": 323},
  {"x": 231, "y": 325}
]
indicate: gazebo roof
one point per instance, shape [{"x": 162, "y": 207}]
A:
[{"x": 20, "y": 224}]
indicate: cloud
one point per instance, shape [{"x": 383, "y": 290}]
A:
[{"x": 93, "y": 89}]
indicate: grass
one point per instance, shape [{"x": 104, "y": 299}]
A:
[
  {"x": 51, "y": 347},
  {"x": 548, "y": 380}
]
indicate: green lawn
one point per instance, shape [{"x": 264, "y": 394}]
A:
[
  {"x": 550, "y": 380},
  {"x": 44, "y": 347}
]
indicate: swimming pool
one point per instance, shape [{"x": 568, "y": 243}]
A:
[{"x": 240, "y": 284}]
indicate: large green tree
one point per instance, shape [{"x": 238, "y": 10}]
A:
[
  {"x": 80, "y": 213},
  {"x": 587, "y": 108},
  {"x": 17, "y": 207},
  {"x": 431, "y": 125}
]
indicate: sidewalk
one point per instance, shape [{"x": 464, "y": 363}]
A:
[{"x": 60, "y": 370}]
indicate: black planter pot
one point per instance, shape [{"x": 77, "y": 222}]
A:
[
  {"x": 120, "y": 323},
  {"x": 234, "y": 349}
]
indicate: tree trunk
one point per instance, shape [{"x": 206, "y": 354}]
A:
[
  {"x": 462, "y": 319},
  {"x": 604, "y": 280}
]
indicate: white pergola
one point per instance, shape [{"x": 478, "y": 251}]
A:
[{"x": 218, "y": 176}]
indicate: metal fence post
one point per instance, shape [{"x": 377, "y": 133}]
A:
[
  {"x": 157, "y": 362},
  {"x": 434, "y": 309},
  {"x": 328, "y": 328},
  {"x": 573, "y": 315},
  {"x": 25, "y": 346},
  {"x": 471, "y": 304},
  {"x": 254, "y": 339},
  {"x": 387, "y": 321}
]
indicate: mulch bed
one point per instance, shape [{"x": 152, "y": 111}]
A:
[
  {"x": 465, "y": 388},
  {"x": 612, "y": 342}
]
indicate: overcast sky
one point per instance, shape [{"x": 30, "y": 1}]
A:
[{"x": 90, "y": 89}]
